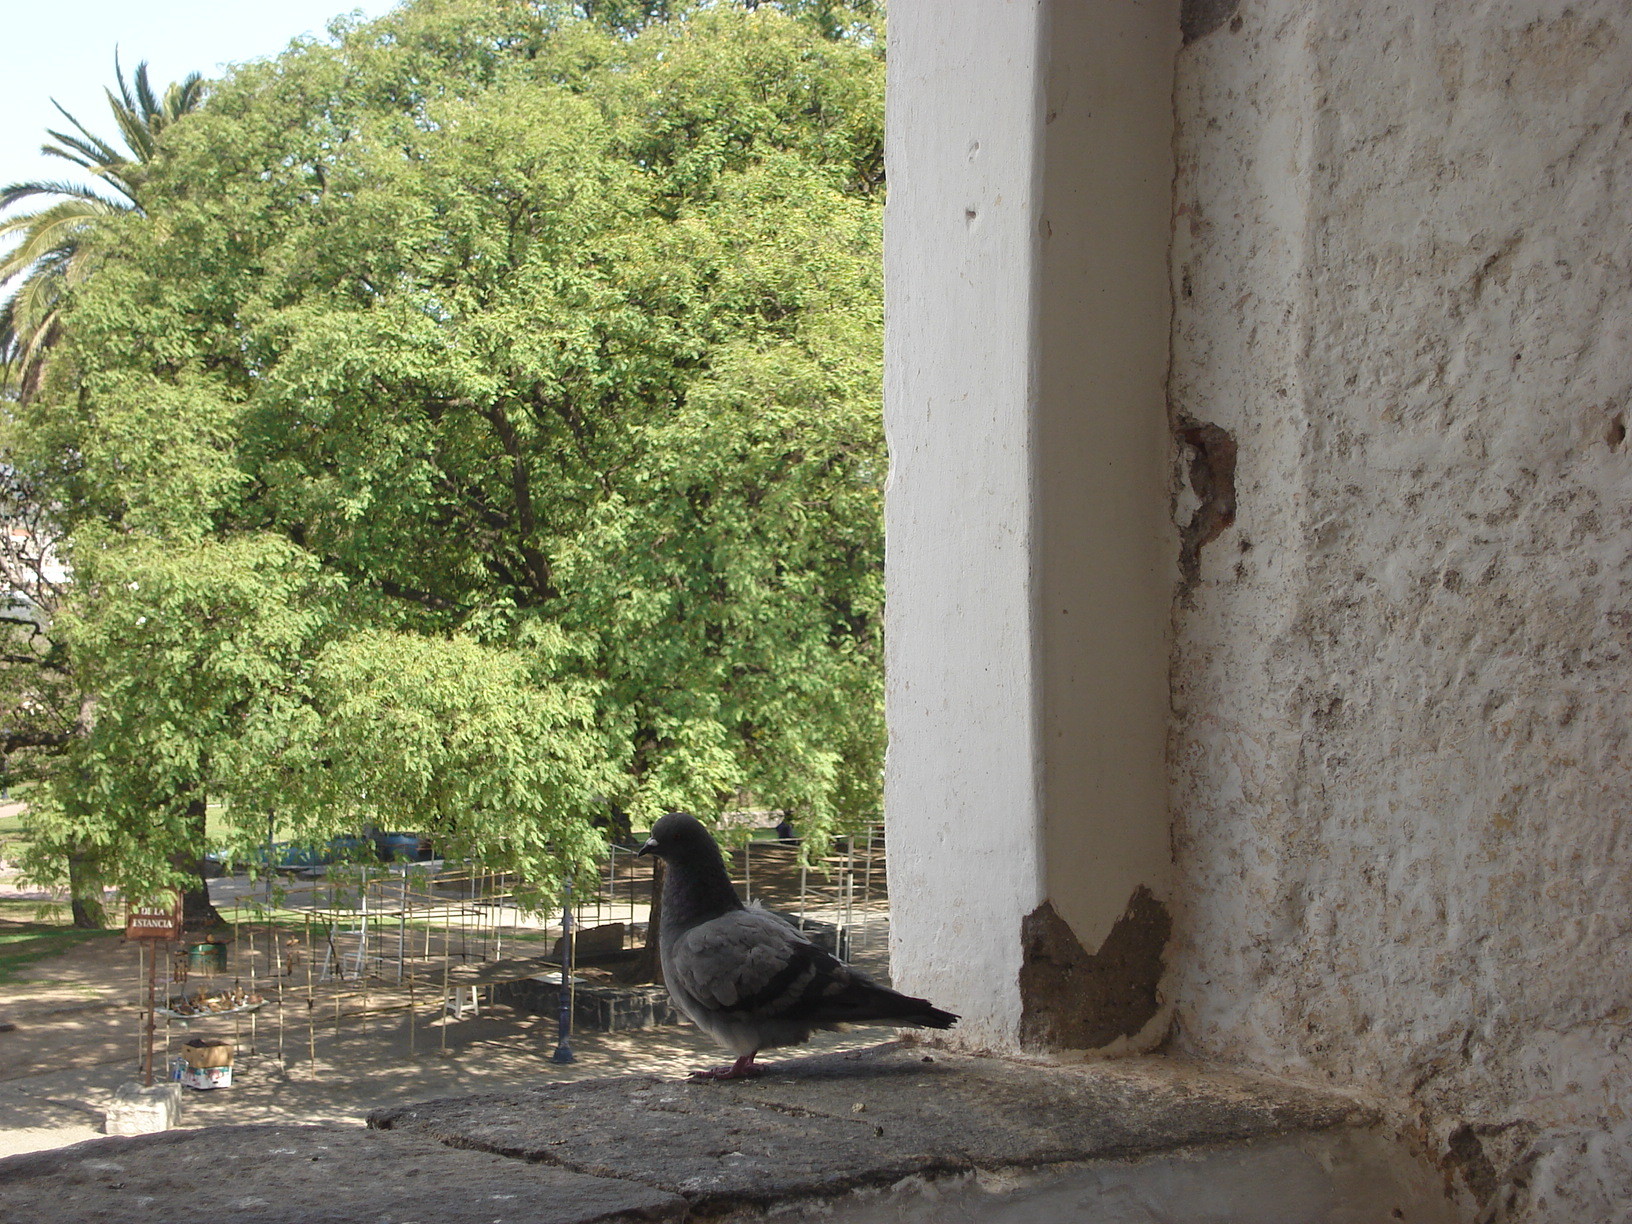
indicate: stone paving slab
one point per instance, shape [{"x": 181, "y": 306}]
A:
[
  {"x": 821, "y": 1126},
  {"x": 308, "y": 1175}
]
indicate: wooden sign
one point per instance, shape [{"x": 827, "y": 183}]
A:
[{"x": 153, "y": 922}]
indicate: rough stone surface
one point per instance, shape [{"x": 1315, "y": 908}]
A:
[
  {"x": 139, "y": 1110},
  {"x": 1402, "y": 777},
  {"x": 1333, "y": 1177},
  {"x": 307, "y": 1175},
  {"x": 603, "y": 1009},
  {"x": 829, "y": 1124}
]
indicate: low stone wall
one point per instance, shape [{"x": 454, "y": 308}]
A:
[
  {"x": 611, "y": 1009},
  {"x": 605, "y": 1009}
]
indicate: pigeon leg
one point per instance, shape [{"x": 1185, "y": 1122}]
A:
[{"x": 743, "y": 1068}]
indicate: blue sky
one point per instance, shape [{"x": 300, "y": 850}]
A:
[{"x": 65, "y": 51}]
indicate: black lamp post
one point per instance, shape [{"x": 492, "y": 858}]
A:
[{"x": 563, "y": 1050}]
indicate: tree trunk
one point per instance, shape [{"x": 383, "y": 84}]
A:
[
  {"x": 648, "y": 966},
  {"x": 196, "y": 909},
  {"x": 618, "y": 828},
  {"x": 85, "y": 891}
]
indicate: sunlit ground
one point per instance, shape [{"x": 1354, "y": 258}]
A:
[{"x": 74, "y": 1000}]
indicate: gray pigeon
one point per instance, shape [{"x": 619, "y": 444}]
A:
[{"x": 746, "y": 977}]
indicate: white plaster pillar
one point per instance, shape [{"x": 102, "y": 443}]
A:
[{"x": 1030, "y": 562}]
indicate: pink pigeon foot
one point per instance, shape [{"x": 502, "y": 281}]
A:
[{"x": 743, "y": 1068}]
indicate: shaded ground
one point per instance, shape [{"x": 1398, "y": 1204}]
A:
[
  {"x": 92, "y": 1051},
  {"x": 76, "y": 1036}
]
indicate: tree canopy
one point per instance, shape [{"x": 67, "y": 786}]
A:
[{"x": 481, "y": 432}]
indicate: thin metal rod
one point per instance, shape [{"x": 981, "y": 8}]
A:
[
  {"x": 169, "y": 993},
  {"x": 563, "y": 1050},
  {"x": 273, "y": 935},
  {"x": 152, "y": 974},
  {"x": 362, "y": 928},
  {"x": 849, "y": 883},
  {"x": 311, "y": 1002},
  {"x": 141, "y": 975},
  {"x": 254, "y": 1031},
  {"x": 402, "y": 926}
]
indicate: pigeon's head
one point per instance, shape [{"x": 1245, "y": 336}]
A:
[{"x": 678, "y": 835}]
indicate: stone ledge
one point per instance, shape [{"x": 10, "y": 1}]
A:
[
  {"x": 308, "y": 1175},
  {"x": 815, "y": 1137},
  {"x": 138, "y": 1110},
  {"x": 824, "y": 1126}
]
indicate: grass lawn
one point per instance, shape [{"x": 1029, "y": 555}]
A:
[
  {"x": 34, "y": 913},
  {"x": 23, "y": 943},
  {"x": 12, "y": 837}
]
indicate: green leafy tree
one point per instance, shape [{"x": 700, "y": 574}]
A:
[
  {"x": 42, "y": 710},
  {"x": 42, "y": 707},
  {"x": 503, "y": 383}
]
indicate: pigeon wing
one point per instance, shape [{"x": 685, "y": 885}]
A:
[{"x": 750, "y": 965}]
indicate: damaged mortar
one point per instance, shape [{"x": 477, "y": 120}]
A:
[
  {"x": 1212, "y": 479},
  {"x": 1077, "y": 1000}
]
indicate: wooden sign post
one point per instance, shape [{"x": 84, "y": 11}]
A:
[{"x": 150, "y": 924}]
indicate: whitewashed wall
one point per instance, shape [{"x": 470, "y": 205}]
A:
[
  {"x": 1402, "y": 773},
  {"x": 961, "y": 779},
  {"x": 1030, "y": 562},
  {"x": 1396, "y": 736}
]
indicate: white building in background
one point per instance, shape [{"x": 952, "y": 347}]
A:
[{"x": 32, "y": 572}]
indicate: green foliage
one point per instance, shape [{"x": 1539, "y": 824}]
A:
[
  {"x": 187, "y": 648},
  {"x": 481, "y": 743},
  {"x": 481, "y": 432},
  {"x": 45, "y": 256}
]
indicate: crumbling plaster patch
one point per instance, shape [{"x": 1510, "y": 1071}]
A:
[
  {"x": 1074, "y": 999},
  {"x": 1402, "y": 276}
]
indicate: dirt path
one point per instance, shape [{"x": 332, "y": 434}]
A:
[{"x": 358, "y": 1071}]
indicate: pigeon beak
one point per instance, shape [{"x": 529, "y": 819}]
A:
[{"x": 649, "y": 848}]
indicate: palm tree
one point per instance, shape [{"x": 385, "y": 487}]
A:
[{"x": 49, "y": 255}]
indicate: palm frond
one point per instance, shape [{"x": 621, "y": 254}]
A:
[
  {"x": 141, "y": 114},
  {"x": 30, "y": 323},
  {"x": 183, "y": 96},
  {"x": 87, "y": 143},
  {"x": 49, "y": 255},
  {"x": 134, "y": 114},
  {"x": 15, "y": 192},
  {"x": 144, "y": 95},
  {"x": 65, "y": 216},
  {"x": 55, "y": 245}
]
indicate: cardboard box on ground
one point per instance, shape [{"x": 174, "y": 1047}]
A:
[
  {"x": 206, "y": 1063},
  {"x": 207, "y": 1052}
]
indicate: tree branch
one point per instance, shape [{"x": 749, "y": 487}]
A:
[
  {"x": 428, "y": 599},
  {"x": 11, "y": 741},
  {"x": 538, "y": 567},
  {"x": 35, "y": 661}
]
